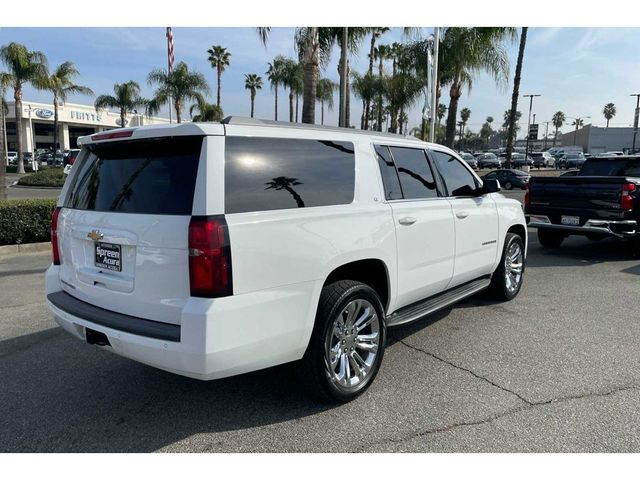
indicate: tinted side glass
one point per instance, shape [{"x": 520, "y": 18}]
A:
[
  {"x": 415, "y": 174},
  {"x": 458, "y": 179},
  {"x": 392, "y": 190},
  {"x": 155, "y": 176},
  {"x": 279, "y": 173}
]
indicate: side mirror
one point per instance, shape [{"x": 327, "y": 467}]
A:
[{"x": 490, "y": 185}]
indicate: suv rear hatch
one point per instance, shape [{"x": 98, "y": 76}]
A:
[{"x": 123, "y": 228}]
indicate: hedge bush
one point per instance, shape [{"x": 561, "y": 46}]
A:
[
  {"x": 25, "y": 221},
  {"x": 51, "y": 177},
  {"x": 14, "y": 168}
]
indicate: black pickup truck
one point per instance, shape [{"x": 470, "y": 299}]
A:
[{"x": 603, "y": 200}]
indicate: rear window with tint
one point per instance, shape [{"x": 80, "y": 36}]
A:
[
  {"x": 156, "y": 176},
  {"x": 611, "y": 168},
  {"x": 280, "y": 173}
]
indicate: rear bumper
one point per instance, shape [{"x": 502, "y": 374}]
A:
[
  {"x": 614, "y": 228},
  {"x": 217, "y": 337}
]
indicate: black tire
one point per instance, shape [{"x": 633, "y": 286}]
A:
[
  {"x": 499, "y": 289},
  {"x": 508, "y": 185},
  {"x": 550, "y": 238},
  {"x": 313, "y": 372}
]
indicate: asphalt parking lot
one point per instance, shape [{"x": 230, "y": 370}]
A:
[{"x": 557, "y": 369}]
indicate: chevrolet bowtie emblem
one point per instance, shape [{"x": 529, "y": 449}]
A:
[{"x": 95, "y": 235}]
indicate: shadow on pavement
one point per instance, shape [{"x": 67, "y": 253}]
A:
[
  {"x": 61, "y": 395},
  {"x": 577, "y": 251}
]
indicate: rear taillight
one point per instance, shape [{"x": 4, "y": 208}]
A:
[
  {"x": 112, "y": 135},
  {"x": 71, "y": 160},
  {"x": 54, "y": 236},
  {"x": 209, "y": 257},
  {"x": 527, "y": 195},
  {"x": 626, "y": 200}
]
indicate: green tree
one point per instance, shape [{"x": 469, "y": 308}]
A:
[
  {"x": 382, "y": 53},
  {"x": 220, "y": 59},
  {"x": 253, "y": 83},
  {"x": 514, "y": 97},
  {"x": 23, "y": 67},
  {"x": 61, "y": 84},
  {"x": 293, "y": 81},
  {"x": 126, "y": 98},
  {"x": 366, "y": 87},
  {"x": 207, "y": 112},
  {"x": 401, "y": 90},
  {"x": 324, "y": 94},
  {"x": 609, "y": 112},
  {"x": 376, "y": 32},
  {"x": 558, "y": 120},
  {"x": 179, "y": 86},
  {"x": 466, "y": 52},
  {"x": 5, "y": 82},
  {"x": 442, "y": 111},
  {"x": 578, "y": 123},
  {"x": 505, "y": 125},
  {"x": 276, "y": 76},
  {"x": 465, "y": 113}
]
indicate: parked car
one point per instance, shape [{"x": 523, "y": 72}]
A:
[
  {"x": 542, "y": 159},
  {"x": 12, "y": 158},
  {"x": 488, "y": 160},
  {"x": 70, "y": 157},
  {"x": 470, "y": 159},
  {"x": 603, "y": 200},
  {"x": 214, "y": 249},
  {"x": 55, "y": 160},
  {"x": 571, "y": 160},
  {"x": 520, "y": 160},
  {"x": 510, "y": 178}
]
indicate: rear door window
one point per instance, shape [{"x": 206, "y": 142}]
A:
[
  {"x": 155, "y": 176},
  {"x": 392, "y": 189},
  {"x": 415, "y": 173},
  {"x": 281, "y": 173}
]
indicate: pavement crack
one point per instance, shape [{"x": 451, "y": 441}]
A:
[{"x": 480, "y": 377}]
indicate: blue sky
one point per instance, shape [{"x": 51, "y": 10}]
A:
[{"x": 577, "y": 70}]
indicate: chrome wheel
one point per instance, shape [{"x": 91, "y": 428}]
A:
[
  {"x": 513, "y": 267},
  {"x": 352, "y": 343}
]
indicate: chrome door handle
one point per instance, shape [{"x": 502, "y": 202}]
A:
[
  {"x": 407, "y": 221},
  {"x": 462, "y": 214}
]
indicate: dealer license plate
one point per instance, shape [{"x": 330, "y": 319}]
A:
[
  {"x": 569, "y": 220},
  {"x": 107, "y": 256}
]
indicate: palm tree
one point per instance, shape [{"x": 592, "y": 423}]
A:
[
  {"x": 401, "y": 90},
  {"x": 324, "y": 94},
  {"x": 465, "y": 52},
  {"x": 276, "y": 75},
  {"x": 514, "y": 97},
  {"x": 179, "y": 86},
  {"x": 253, "y": 83},
  {"x": 207, "y": 112},
  {"x": 609, "y": 112},
  {"x": 126, "y": 98},
  {"x": 5, "y": 82},
  {"x": 578, "y": 123},
  {"x": 285, "y": 183},
  {"x": 442, "y": 111},
  {"x": 24, "y": 66},
  {"x": 505, "y": 125},
  {"x": 60, "y": 83},
  {"x": 365, "y": 87},
  {"x": 376, "y": 32},
  {"x": 465, "y": 113},
  {"x": 557, "y": 120},
  {"x": 382, "y": 53},
  {"x": 219, "y": 58},
  {"x": 292, "y": 80}
]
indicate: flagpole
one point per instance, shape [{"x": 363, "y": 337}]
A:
[{"x": 170, "y": 63}]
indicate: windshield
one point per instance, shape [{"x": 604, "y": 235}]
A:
[{"x": 612, "y": 168}]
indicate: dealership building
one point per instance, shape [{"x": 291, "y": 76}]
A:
[
  {"x": 594, "y": 139},
  {"x": 74, "y": 121}
]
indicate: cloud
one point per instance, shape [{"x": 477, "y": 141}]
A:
[{"x": 543, "y": 37}]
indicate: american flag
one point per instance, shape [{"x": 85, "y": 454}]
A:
[{"x": 170, "y": 48}]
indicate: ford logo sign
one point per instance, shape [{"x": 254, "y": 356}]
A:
[
  {"x": 44, "y": 113},
  {"x": 119, "y": 122}
]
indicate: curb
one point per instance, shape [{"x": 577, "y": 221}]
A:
[
  {"x": 6, "y": 250},
  {"x": 15, "y": 185}
]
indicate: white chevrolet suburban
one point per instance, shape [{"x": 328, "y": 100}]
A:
[{"x": 214, "y": 249}]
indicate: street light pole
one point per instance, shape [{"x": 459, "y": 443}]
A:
[
  {"x": 635, "y": 120},
  {"x": 526, "y": 150},
  {"x": 546, "y": 133}
]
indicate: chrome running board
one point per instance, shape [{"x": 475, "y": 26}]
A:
[{"x": 432, "y": 304}]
